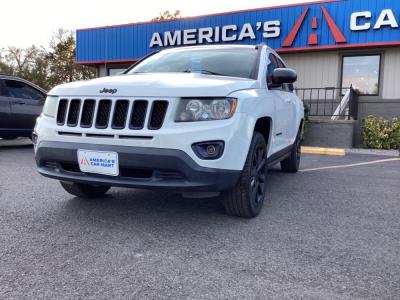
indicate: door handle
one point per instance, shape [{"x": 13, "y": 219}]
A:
[
  {"x": 288, "y": 100},
  {"x": 19, "y": 102}
]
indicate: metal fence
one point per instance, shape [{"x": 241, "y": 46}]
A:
[{"x": 335, "y": 103}]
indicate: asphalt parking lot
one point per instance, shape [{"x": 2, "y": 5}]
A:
[{"x": 323, "y": 234}]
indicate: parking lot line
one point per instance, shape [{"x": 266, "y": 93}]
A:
[{"x": 351, "y": 165}]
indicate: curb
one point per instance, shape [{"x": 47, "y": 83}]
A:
[
  {"x": 343, "y": 152},
  {"x": 323, "y": 151}
]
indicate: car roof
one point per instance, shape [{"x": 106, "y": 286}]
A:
[{"x": 212, "y": 47}]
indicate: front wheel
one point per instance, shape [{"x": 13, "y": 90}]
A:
[
  {"x": 84, "y": 190},
  {"x": 246, "y": 199}
]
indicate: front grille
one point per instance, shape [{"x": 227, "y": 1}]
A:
[
  {"x": 158, "y": 112},
  {"x": 138, "y": 115},
  {"x": 120, "y": 113},
  {"x": 125, "y": 172},
  {"x": 73, "y": 112},
  {"x": 62, "y": 111},
  {"x": 88, "y": 113},
  {"x": 103, "y": 114},
  {"x": 116, "y": 114}
]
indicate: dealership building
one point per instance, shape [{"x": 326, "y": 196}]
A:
[{"x": 333, "y": 45}]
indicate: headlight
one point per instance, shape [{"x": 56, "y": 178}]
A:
[
  {"x": 205, "y": 109},
  {"x": 50, "y": 106}
]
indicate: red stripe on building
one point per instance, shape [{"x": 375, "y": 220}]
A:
[
  {"x": 288, "y": 42},
  {"x": 314, "y": 23},
  {"x": 313, "y": 39},
  {"x": 337, "y": 34}
]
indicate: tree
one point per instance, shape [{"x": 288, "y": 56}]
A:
[
  {"x": 46, "y": 67},
  {"x": 167, "y": 15},
  {"x": 61, "y": 60},
  {"x": 18, "y": 61},
  {"x": 4, "y": 66}
]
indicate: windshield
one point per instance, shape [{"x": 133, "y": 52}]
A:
[{"x": 223, "y": 62}]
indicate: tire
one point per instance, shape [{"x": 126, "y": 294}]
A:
[
  {"x": 246, "y": 199},
  {"x": 292, "y": 163},
  {"x": 84, "y": 190}
]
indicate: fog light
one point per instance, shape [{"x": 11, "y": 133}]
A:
[{"x": 209, "y": 150}]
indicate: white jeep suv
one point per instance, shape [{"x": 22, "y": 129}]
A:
[{"x": 198, "y": 120}]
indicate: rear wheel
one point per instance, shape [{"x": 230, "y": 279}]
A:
[
  {"x": 247, "y": 197},
  {"x": 84, "y": 190},
  {"x": 292, "y": 163}
]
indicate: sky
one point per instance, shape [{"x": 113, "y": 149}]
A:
[{"x": 27, "y": 22}]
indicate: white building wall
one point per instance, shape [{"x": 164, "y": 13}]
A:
[
  {"x": 391, "y": 74},
  {"x": 319, "y": 70},
  {"x": 315, "y": 70}
]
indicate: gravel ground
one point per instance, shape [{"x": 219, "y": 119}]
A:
[{"x": 323, "y": 234}]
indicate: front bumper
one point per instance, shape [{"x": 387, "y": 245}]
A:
[{"x": 140, "y": 167}]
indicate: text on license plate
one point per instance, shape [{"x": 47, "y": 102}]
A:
[{"x": 99, "y": 162}]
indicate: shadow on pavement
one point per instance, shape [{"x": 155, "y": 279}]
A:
[{"x": 17, "y": 143}]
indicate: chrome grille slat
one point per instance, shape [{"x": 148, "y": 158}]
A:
[
  {"x": 62, "y": 111},
  {"x": 73, "y": 112},
  {"x": 88, "y": 113},
  {"x": 103, "y": 114},
  {"x": 120, "y": 114},
  {"x": 138, "y": 114},
  {"x": 157, "y": 115}
]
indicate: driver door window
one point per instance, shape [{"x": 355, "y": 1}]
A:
[
  {"x": 5, "y": 107},
  {"x": 271, "y": 67}
]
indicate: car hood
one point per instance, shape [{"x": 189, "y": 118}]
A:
[{"x": 156, "y": 85}]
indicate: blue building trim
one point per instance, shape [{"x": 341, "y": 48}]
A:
[{"x": 304, "y": 27}]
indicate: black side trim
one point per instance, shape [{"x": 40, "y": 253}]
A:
[{"x": 279, "y": 156}]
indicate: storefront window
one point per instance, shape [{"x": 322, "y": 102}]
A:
[
  {"x": 112, "y": 72},
  {"x": 362, "y": 72}
]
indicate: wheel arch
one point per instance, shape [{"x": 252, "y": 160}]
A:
[{"x": 263, "y": 125}]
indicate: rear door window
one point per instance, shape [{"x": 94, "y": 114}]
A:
[
  {"x": 17, "y": 89},
  {"x": 3, "y": 91}
]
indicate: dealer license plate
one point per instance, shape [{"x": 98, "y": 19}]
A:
[{"x": 98, "y": 162}]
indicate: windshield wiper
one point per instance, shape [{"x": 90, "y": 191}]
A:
[{"x": 207, "y": 72}]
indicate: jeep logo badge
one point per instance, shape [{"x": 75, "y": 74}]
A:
[{"x": 108, "y": 91}]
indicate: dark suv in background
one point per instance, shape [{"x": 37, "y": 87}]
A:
[{"x": 21, "y": 102}]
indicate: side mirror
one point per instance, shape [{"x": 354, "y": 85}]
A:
[{"x": 283, "y": 75}]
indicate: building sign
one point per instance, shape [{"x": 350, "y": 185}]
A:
[
  {"x": 227, "y": 33},
  {"x": 330, "y": 24},
  {"x": 359, "y": 21}
]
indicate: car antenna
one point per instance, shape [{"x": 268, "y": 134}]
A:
[{"x": 258, "y": 46}]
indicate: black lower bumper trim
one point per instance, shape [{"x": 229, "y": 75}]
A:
[{"x": 146, "y": 168}]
